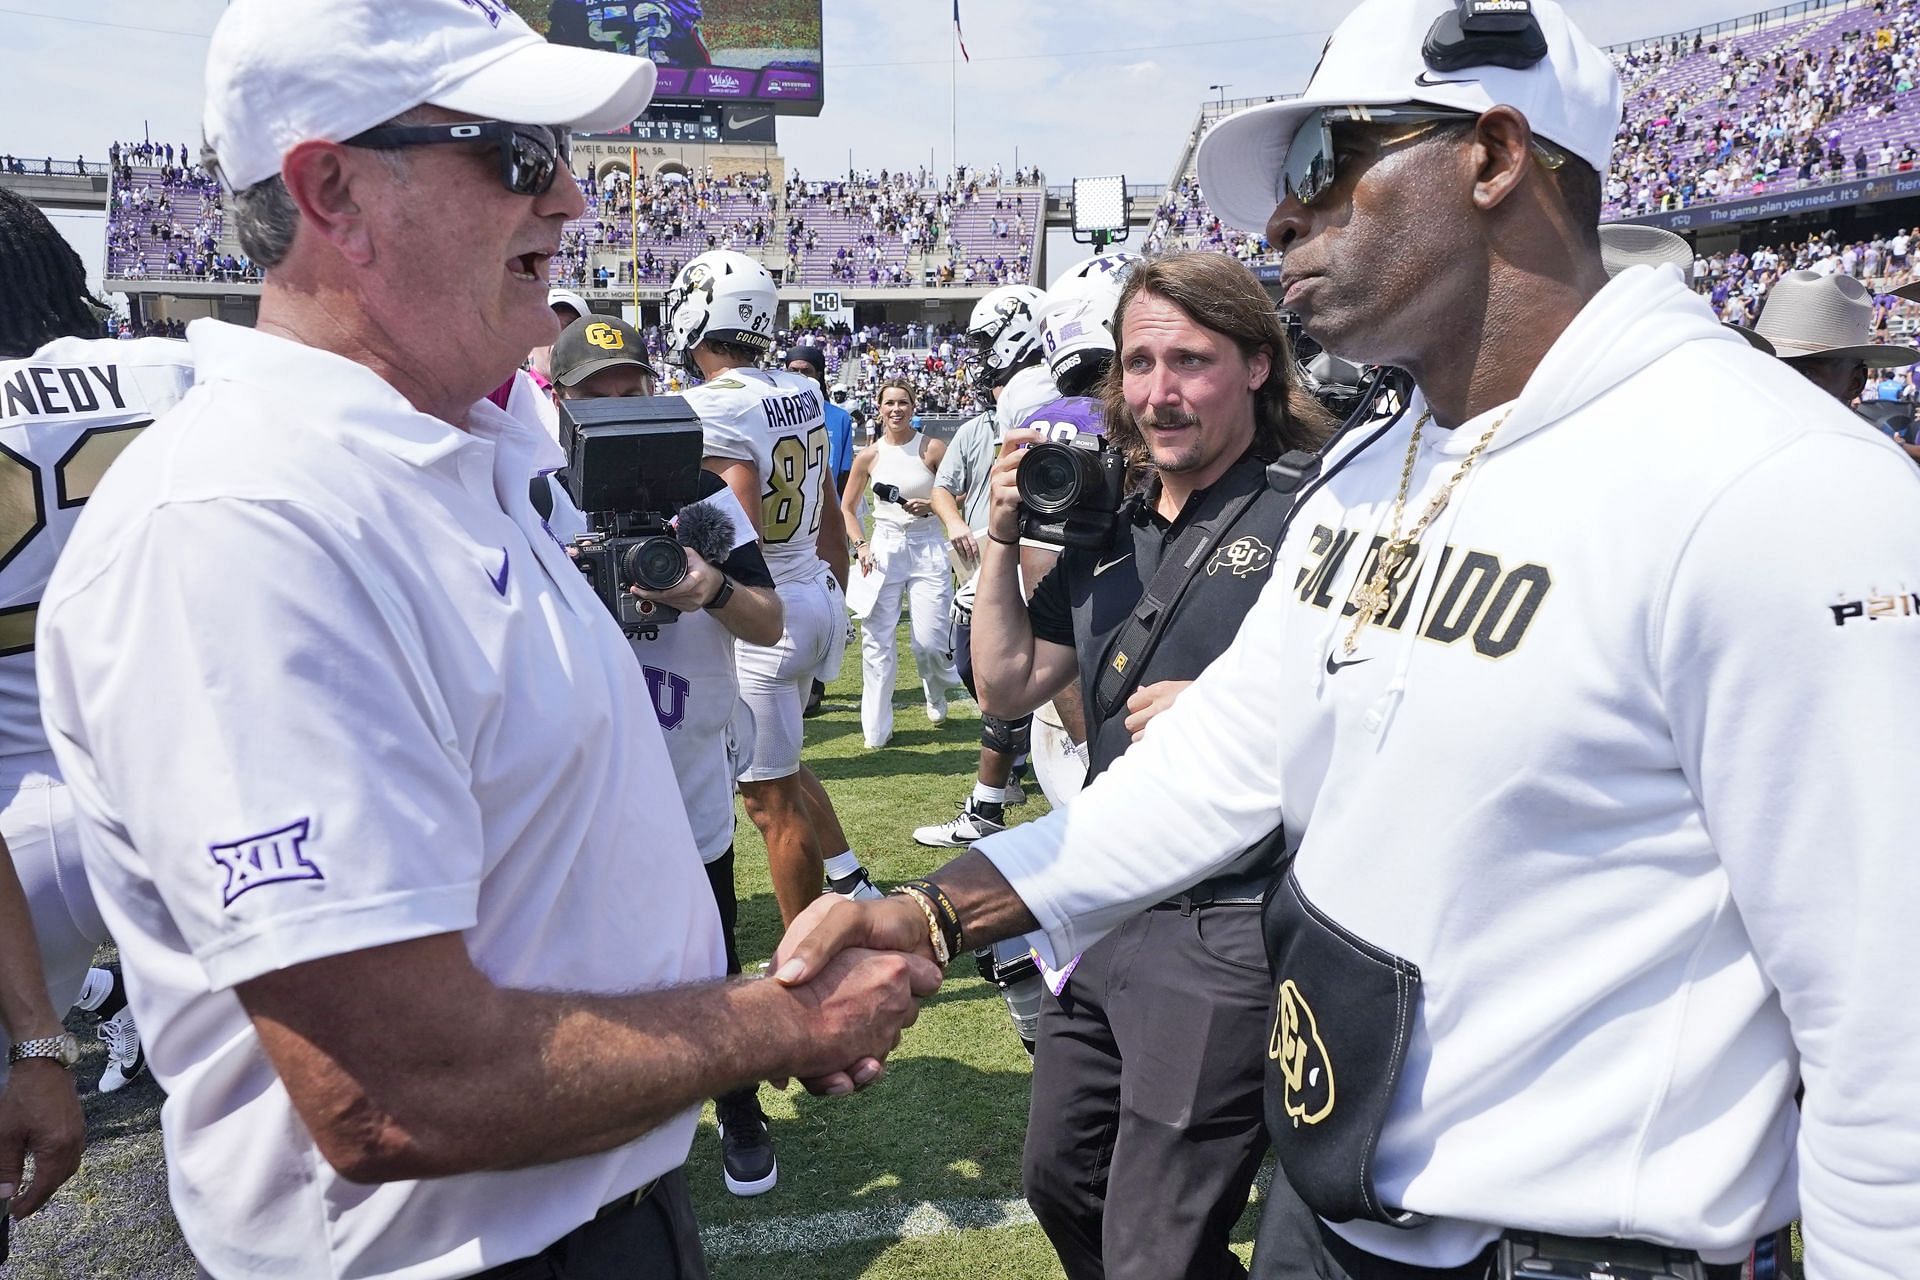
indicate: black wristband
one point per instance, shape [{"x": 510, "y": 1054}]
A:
[
  {"x": 1005, "y": 542},
  {"x": 943, "y": 910},
  {"x": 721, "y": 596}
]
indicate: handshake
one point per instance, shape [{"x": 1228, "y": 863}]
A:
[{"x": 858, "y": 970}]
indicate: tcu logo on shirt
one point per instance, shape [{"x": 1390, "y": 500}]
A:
[
  {"x": 488, "y": 9},
  {"x": 669, "y": 693},
  {"x": 272, "y": 858}
]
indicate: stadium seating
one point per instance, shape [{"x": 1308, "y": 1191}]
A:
[{"x": 167, "y": 223}]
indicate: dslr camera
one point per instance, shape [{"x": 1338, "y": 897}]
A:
[
  {"x": 1070, "y": 491},
  {"x": 632, "y": 463}
]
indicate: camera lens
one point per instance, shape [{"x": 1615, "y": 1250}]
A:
[
  {"x": 657, "y": 563},
  {"x": 1051, "y": 478}
]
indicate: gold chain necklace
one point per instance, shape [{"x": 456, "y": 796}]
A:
[{"x": 1372, "y": 600}]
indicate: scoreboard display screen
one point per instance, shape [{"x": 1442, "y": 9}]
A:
[{"x": 764, "y": 52}]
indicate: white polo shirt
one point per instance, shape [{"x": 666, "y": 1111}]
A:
[{"x": 321, "y": 681}]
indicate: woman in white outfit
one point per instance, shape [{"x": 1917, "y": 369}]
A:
[{"x": 908, "y": 554}]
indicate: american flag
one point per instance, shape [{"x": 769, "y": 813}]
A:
[{"x": 960, "y": 35}]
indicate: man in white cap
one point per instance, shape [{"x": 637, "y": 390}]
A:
[
  {"x": 1822, "y": 326},
  {"x": 413, "y": 920},
  {"x": 1584, "y": 703}
]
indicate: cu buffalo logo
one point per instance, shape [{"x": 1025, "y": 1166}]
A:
[
  {"x": 1305, "y": 1069},
  {"x": 605, "y": 336},
  {"x": 1242, "y": 557}
]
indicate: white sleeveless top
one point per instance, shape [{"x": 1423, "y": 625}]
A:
[{"x": 900, "y": 464}]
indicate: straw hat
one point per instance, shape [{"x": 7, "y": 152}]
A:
[
  {"x": 1627, "y": 244},
  {"x": 1808, "y": 314}
]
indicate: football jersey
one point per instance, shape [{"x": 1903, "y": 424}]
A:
[
  {"x": 776, "y": 421},
  {"x": 1065, "y": 418},
  {"x": 66, "y": 412}
]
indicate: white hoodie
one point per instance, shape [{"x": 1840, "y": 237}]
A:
[{"x": 1644, "y": 823}]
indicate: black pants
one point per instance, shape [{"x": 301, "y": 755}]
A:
[
  {"x": 961, "y": 642},
  {"x": 720, "y": 878},
  {"x": 1145, "y": 1128},
  {"x": 657, "y": 1239}
]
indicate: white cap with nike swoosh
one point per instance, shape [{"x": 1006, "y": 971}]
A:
[{"x": 1571, "y": 98}]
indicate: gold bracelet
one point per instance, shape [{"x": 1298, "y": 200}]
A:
[{"x": 941, "y": 956}]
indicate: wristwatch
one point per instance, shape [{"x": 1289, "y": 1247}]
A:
[
  {"x": 720, "y": 597},
  {"x": 63, "y": 1049}
]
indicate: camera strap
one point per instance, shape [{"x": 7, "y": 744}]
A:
[{"x": 1140, "y": 635}]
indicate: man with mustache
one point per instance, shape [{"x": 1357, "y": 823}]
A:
[
  {"x": 1582, "y": 688},
  {"x": 1145, "y": 1128}
]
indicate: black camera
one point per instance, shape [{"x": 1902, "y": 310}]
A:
[
  {"x": 632, "y": 463},
  {"x": 1070, "y": 492},
  {"x": 887, "y": 492}
]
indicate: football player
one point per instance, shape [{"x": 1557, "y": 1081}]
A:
[
  {"x": 70, "y": 401},
  {"x": 766, "y": 436},
  {"x": 667, "y": 31}
]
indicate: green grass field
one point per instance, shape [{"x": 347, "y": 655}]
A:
[{"x": 918, "y": 1176}]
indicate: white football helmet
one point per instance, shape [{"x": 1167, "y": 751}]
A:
[
  {"x": 1004, "y": 332},
  {"x": 722, "y": 296},
  {"x": 1076, "y": 320}
]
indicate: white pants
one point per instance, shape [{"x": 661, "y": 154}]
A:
[
  {"x": 36, "y": 817},
  {"x": 910, "y": 562}
]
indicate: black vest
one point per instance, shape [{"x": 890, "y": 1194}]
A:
[{"x": 1104, "y": 587}]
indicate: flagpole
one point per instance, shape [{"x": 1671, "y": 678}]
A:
[{"x": 953, "y": 95}]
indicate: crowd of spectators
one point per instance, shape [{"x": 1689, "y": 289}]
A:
[
  {"x": 1183, "y": 221},
  {"x": 165, "y": 219},
  {"x": 1736, "y": 284},
  {"x": 1722, "y": 120}
]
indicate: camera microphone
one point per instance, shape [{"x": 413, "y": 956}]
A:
[{"x": 704, "y": 528}]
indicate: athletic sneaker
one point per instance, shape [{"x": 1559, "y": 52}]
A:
[
  {"x": 1016, "y": 794},
  {"x": 814, "y": 701},
  {"x": 970, "y": 824},
  {"x": 857, "y": 885},
  {"x": 125, "y": 1058},
  {"x": 746, "y": 1145}
]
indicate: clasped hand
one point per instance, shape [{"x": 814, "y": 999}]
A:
[{"x": 863, "y": 967}]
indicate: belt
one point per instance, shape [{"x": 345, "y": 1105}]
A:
[
  {"x": 537, "y": 1265},
  {"x": 1361, "y": 1265},
  {"x": 631, "y": 1200},
  {"x": 1242, "y": 889}
]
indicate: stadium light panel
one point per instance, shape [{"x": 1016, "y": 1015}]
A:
[{"x": 1099, "y": 205}]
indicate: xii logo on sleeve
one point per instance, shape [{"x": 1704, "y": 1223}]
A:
[{"x": 274, "y": 857}]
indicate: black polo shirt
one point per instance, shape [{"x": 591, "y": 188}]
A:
[{"x": 1086, "y": 598}]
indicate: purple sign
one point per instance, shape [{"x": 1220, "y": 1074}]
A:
[
  {"x": 721, "y": 82},
  {"x": 789, "y": 84},
  {"x": 671, "y": 83}
]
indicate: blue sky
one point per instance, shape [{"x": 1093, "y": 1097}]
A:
[{"x": 1100, "y": 86}]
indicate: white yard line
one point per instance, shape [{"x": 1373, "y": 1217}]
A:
[
  {"x": 849, "y": 1226},
  {"x": 888, "y": 1222}
]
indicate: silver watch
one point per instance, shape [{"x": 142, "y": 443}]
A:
[{"x": 63, "y": 1049}]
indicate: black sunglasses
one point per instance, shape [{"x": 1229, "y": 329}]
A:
[
  {"x": 530, "y": 154},
  {"x": 1311, "y": 165}
]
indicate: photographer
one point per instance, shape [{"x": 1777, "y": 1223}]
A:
[
  {"x": 1152, "y": 1048},
  {"x": 907, "y": 554},
  {"x": 691, "y": 680}
]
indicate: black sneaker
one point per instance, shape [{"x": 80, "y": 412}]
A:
[
  {"x": 746, "y": 1145},
  {"x": 856, "y": 885},
  {"x": 814, "y": 701}
]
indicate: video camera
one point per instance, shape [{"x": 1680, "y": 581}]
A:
[
  {"x": 1070, "y": 491},
  {"x": 632, "y": 463}
]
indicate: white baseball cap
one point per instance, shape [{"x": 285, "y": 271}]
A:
[
  {"x": 283, "y": 72},
  {"x": 1571, "y": 98},
  {"x": 568, "y": 298}
]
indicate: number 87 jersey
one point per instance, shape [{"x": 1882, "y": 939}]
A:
[
  {"x": 66, "y": 412},
  {"x": 776, "y": 421}
]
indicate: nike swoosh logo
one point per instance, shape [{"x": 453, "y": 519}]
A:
[
  {"x": 1102, "y": 568},
  {"x": 1424, "y": 79},
  {"x": 500, "y": 579},
  {"x": 1333, "y": 668}
]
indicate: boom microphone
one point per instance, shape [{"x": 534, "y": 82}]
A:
[{"x": 702, "y": 527}]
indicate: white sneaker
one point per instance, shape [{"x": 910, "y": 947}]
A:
[
  {"x": 936, "y": 716},
  {"x": 856, "y": 885},
  {"x": 960, "y": 831},
  {"x": 125, "y": 1058}
]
